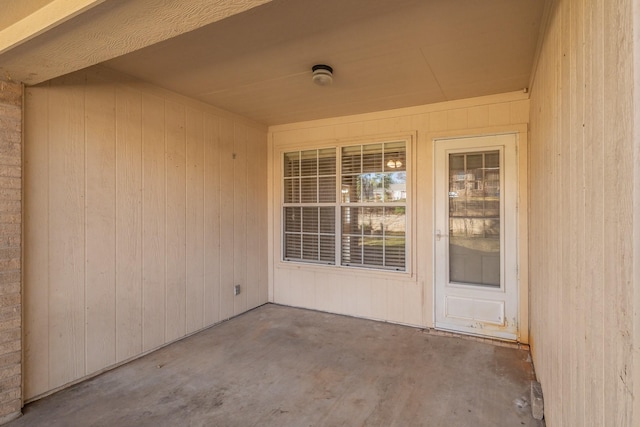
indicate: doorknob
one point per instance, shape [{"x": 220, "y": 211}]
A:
[{"x": 439, "y": 235}]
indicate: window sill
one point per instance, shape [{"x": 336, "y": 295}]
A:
[{"x": 347, "y": 271}]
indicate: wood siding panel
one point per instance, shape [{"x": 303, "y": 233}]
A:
[
  {"x": 36, "y": 223},
  {"x": 618, "y": 222},
  {"x": 256, "y": 222},
  {"x": 227, "y": 220},
  {"x": 581, "y": 214},
  {"x": 175, "y": 214},
  {"x": 66, "y": 233},
  {"x": 594, "y": 185},
  {"x": 129, "y": 316},
  {"x": 635, "y": 259},
  {"x": 578, "y": 313},
  {"x": 128, "y": 205},
  {"x": 564, "y": 192},
  {"x": 240, "y": 261},
  {"x": 100, "y": 227},
  {"x": 212, "y": 218},
  {"x": 153, "y": 223},
  {"x": 195, "y": 304}
]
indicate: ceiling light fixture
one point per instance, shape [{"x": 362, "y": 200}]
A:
[{"x": 322, "y": 75}]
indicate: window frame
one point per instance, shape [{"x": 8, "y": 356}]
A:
[{"x": 338, "y": 205}]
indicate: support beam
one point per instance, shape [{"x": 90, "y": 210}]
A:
[
  {"x": 42, "y": 20},
  {"x": 68, "y": 35}
]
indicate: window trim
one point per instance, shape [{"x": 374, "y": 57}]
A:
[{"x": 409, "y": 138}]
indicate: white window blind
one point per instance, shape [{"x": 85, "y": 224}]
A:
[
  {"x": 309, "y": 205},
  {"x": 369, "y": 216}
]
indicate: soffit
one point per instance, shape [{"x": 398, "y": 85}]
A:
[
  {"x": 49, "y": 39},
  {"x": 386, "y": 54}
]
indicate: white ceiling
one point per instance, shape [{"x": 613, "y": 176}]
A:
[{"x": 385, "y": 54}]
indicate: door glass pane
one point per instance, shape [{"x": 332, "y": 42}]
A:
[{"x": 474, "y": 218}]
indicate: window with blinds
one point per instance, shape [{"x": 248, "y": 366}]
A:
[
  {"x": 309, "y": 206},
  {"x": 373, "y": 208},
  {"x": 356, "y": 195}
]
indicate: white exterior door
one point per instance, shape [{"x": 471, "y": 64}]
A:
[{"x": 475, "y": 237}]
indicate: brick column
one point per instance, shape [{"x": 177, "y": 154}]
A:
[{"x": 10, "y": 250}]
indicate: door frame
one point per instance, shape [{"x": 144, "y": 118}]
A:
[{"x": 522, "y": 209}]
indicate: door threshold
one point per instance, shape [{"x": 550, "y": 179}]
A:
[{"x": 500, "y": 342}]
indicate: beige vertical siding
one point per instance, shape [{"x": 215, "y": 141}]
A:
[
  {"x": 138, "y": 222},
  {"x": 581, "y": 222},
  {"x": 636, "y": 212},
  {"x": 394, "y": 297}
]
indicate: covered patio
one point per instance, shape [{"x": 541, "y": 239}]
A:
[{"x": 172, "y": 180}]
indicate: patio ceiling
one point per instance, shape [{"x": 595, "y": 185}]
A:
[
  {"x": 254, "y": 57},
  {"x": 385, "y": 54}
]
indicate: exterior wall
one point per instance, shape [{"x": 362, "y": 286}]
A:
[
  {"x": 581, "y": 222},
  {"x": 636, "y": 212},
  {"x": 10, "y": 250},
  {"x": 395, "y": 297},
  {"x": 142, "y": 210}
]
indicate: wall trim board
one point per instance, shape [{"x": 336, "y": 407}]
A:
[
  {"x": 357, "y": 139},
  {"x": 520, "y": 129},
  {"x": 408, "y": 111}
]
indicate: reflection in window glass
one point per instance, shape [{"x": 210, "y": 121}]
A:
[
  {"x": 474, "y": 218},
  {"x": 395, "y": 157},
  {"x": 374, "y": 236},
  {"x": 374, "y": 173}
]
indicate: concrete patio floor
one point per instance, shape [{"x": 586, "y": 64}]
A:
[{"x": 281, "y": 366}]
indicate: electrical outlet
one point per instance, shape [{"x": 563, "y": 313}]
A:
[{"x": 236, "y": 290}]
